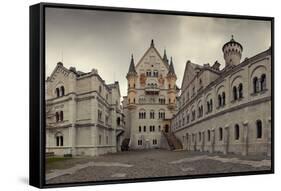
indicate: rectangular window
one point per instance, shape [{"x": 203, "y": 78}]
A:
[
  {"x": 144, "y": 128},
  {"x": 139, "y": 128},
  {"x": 99, "y": 115},
  {"x": 139, "y": 142},
  {"x": 99, "y": 139},
  {"x": 107, "y": 140}
]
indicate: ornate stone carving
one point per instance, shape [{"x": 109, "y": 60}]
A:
[
  {"x": 161, "y": 80},
  {"x": 142, "y": 79}
]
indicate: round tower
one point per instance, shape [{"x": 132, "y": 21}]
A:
[
  {"x": 132, "y": 80},
  {"x": 232, "y": 52},
  {"x": 171, "y": 78}
]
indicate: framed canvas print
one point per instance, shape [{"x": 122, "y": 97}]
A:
[{"x": 123, "y": 95}]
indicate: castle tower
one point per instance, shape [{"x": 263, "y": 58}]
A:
[
  {"x": 171, "y": 78},
  {"x": 232, "y": 52},
  {"x": 132, "y": 79}
]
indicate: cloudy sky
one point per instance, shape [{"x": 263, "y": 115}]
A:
[{"x": 105, "y": 40}]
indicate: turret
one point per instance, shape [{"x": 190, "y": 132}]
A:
[
  {"x": 232, "y": 52},
  {"x": 165, "y": 59},
  {"x": 132, "y": 79},
  {"x": 171, "y": 78}
]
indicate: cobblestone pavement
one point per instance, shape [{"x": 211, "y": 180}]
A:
[{"x": 151, "y": 163}]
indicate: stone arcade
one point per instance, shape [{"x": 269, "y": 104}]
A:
[{"x": 226, "y": 110}]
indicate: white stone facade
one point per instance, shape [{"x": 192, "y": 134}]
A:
[
  {"x": 150, "y": 103},
  {"x": 83, "y": 114},
  {"x": 226, "y": 110}
]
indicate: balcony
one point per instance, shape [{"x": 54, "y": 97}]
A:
[{"x": 152, "y": 90}]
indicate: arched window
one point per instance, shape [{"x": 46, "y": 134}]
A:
[
  {"x": 219, "y": 100},
  {"x": 151, "y": 114},
  {"x": 240, "y": 90},
  {"x": 61, "y": 115},
  {"x": 234, "y": 90},
  {"x": 263, "y": 82},
  {"x": 57, "y": 116},
  {"x": 255, "y": 85},
  {"x": 211, "y": 105},
  {"x": 236, "y": 132},
  {"x": 259, "y": 129},
  {"x": 62, "y": 90},
  {"x": 58, "y": 92},
  {"x": 220, "y": 133},
  {"x": 209, "y": 135},
  {"x": 59, "y": 139},
  {"x": 223, "y": 98}
]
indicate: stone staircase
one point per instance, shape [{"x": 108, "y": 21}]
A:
[{"x": 173, "y": 142}]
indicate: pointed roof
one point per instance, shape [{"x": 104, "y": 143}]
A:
[
  {"x": 171, "y": 67},
  {"x": 165, "y": 59},
  {"x": 132, "y": 69},
  {"x": 152, "y": 43},
  {"x": 232, "y": 41},
  {"x": 152, "y": 47}
]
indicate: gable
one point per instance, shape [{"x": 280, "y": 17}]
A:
[
  {"x": 58, "y": 78},
  {"x": 189, "y": 74},
  {"x": 151, "y": 60}
]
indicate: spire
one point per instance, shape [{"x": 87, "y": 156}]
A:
[
  {"x": 171, "y": 67},
  {"x": 152, "y": 43},
  {"x": 132, "y": 69},
  {"x": 165, "y": 59}
]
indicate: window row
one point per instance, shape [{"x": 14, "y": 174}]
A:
[
  {"x": 259, "y": 85},
  {"x": 140, "y": 142},
  {"x": 236, "y": 131},
  {"x": 150, "y": 73},
  {"x": 161, "y": 115},
  {"x": 151, "y": 128},
  {"x": 143, "y": 100}
]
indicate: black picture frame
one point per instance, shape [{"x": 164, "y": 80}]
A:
[{"x": 37, "y": 93}]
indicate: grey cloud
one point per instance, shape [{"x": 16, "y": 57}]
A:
[{"x": 105, "y": 40}]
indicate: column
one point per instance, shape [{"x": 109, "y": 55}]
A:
[
  {"x": 203, "y": 141},
  {"x": 269, "y": 137},
  {"x": 94, "y": 120},
  {"x": 72, "y": 119},
  {"x": 226, "y": 139},
  {"x": 212, "y": 140},
  {"x": 245, "y": 138}
]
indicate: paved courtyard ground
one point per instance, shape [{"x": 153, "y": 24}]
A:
[{"x": 148, "y": 163}]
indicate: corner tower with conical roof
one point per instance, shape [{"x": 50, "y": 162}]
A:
[
  {"x": 232, "y": 52},
  {"x": 171, "y": 78}
]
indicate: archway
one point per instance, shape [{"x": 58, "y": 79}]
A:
[{"x": 166, "y": 128}]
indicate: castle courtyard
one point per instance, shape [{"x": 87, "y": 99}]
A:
[{"x": 148, "y": 163}]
